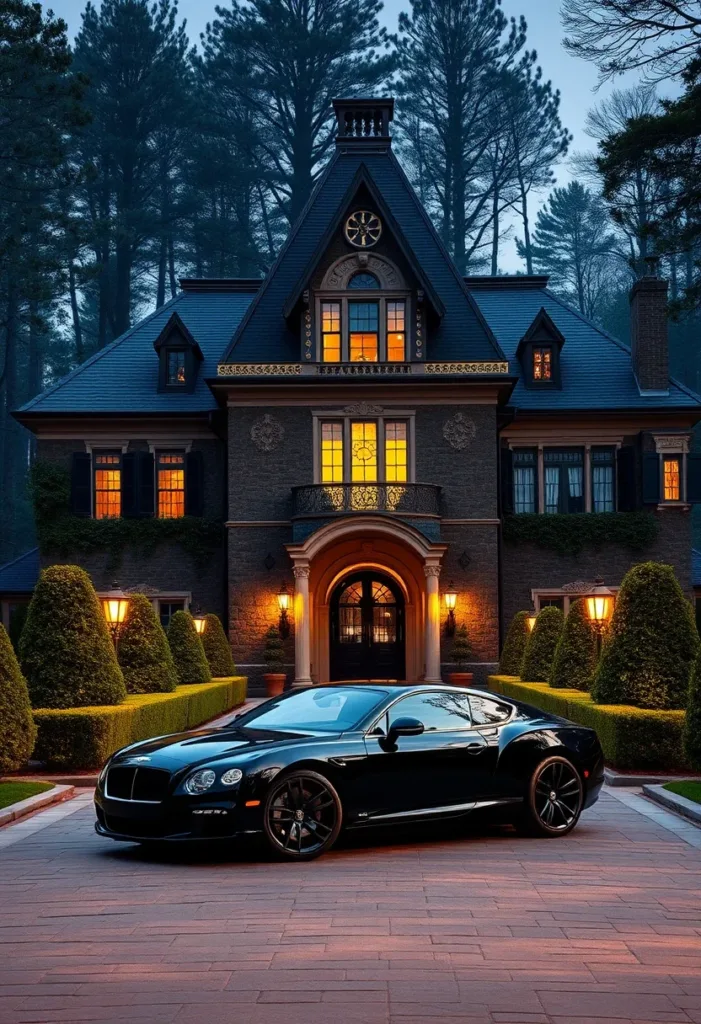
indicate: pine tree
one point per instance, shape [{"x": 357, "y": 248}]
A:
[
  {"x": 515, "y": 645},
  {"x": 187, "y": 650},
  {"x": 17, "y": 728},
  {"x": 143, "y": 651},
  {"x": 217, "y": 648},
  {"x": 576, "y": 653}
]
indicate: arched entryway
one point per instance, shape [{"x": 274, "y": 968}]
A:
[{"x": 367, "y": 628}]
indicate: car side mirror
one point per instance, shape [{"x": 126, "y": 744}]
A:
[{"x": 403, "y": 727}]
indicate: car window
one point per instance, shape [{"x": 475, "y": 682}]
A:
[
  {"x": 486, "y": 711},
  {"x": 437, "y": 711},
  {"x": 330, "y": 709}
]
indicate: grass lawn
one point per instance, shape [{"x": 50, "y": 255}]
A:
[
  {"x": 691, "y": 790},
  {"x": 13, "y": 792}
]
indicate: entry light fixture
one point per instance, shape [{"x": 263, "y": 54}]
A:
[
  {"x": 450, "y": 597},
  {"x": 283, "y": 603},
  {"x": 115, "y": 605}
]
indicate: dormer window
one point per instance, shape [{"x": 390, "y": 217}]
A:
[
  {"x": 539, "y": 353},
  {"x": 542, "y": 363},
  {"x": 179, "y": 356},
  {"x": 176, "y": 373}
]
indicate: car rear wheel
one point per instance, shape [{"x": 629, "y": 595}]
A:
[
  {"x": 303, "y": 816},
  {"x": 554, "y": 799}
]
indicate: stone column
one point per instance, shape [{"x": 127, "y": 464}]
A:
[
  {"x": 302, "y": 627},
  {"x": 433, "y": 624}
]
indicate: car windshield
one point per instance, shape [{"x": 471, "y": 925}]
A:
[{"x": 324, "y": 709}]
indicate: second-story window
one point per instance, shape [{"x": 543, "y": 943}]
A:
[
  {"x": 331, "y": 332},
  {"x": 171, "y": 486},
  {"x": 107, "y": 469},
  {"x": 363, "y": 329},
  {"x": 672, "y": 478},
  {"x": 525, "y": 492},
  {"x": 602, "y": 480},
  {"x": 331, "y": 453},
  {"x": 364, "y": 451}
]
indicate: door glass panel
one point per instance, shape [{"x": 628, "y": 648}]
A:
[
  {"x": 352, "y": 594},
  {"x": 350, "y": 624},
  {"x": 439, "y": 712},
  {"x": 382, "y": 594},
  {"x": 384, "y": 624}
]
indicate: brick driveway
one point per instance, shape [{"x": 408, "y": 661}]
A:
[{"x": 483, "y": 927}]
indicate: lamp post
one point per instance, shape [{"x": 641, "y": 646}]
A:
[
  {"x": 115, "y": 605},
  {"x": 283, "y": 603},
  {"x": 199, "y": 621},
  {"x": 450, "y": 597},
  {"x": 599, "y": 609}
]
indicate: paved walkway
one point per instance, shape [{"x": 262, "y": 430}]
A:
[{"x": 480, "y": 927}]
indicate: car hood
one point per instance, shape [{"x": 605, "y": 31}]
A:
[{"x": 187, "y": 749}]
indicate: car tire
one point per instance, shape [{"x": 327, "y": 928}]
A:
[
  {"x": 554, "y": 798},
  {"x": 302, "y": 816}
]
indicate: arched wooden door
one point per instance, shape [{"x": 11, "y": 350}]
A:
[{"x": 367, "y": 628}]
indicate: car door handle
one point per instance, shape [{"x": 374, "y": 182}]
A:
[{"x": 475, "y": 748}]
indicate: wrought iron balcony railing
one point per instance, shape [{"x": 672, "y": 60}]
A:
[{"x": 344, "y": 499}]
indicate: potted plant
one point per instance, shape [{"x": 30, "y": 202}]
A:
[
  {"x": 460, "y": 655},
  {"x": 273, "y": 656}
]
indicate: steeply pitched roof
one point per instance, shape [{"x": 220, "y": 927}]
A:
[
  {"x": 264, "y": 333},
  {"x": 21, "y": 574},
  {"x": 123, "y": 376},
  {"x": 595, "y": 367}
]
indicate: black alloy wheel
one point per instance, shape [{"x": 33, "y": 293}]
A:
[
  {"x": 555, "y": 798},
  {"x": 303, "y": 815}
]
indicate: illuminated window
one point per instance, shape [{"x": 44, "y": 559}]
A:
[
  {"x": 395, "y": 453},
  {"x": 363, "y": 323},
  {"x": 176, "y": 367},
  {"x": 542, "y": 364},
  {"x": 171, "y": 486},
  {"x": 331, "y": 332},
  {"x": 331, "y": 453},
  {"x": 108, "y": 486},
  {"x": 364, "y": 452},
  {"x": 395, "y": 332},
  {"x": 672, "y": 478}
]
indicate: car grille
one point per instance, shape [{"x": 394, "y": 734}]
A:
[{"x": 125, "y": 782}]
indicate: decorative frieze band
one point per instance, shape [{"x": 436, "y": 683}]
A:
[
  {"x": 259, "y": 369},
  {"x": 459, "y": 368},
  {"x": 359, "y": 369}
]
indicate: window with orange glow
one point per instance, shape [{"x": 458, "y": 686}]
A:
[
  {"x": 395, "y": 453},
  {"x": 542, "y": 364},
  {"x": 331, "y": 332},
  {"x": 363, "y": 321},
  {"x": 331, "y": 453},
  {"x": 396, "y": 336},
  {"x": 176, "y": 367},
  {"x": 672, "y": 479},
  {"x": 171, "y": 486},
  {"x": 108, "y": 486}
]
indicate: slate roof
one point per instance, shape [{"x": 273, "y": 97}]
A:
[
  {"x": 595, "y": 367},
  {"x": 20, "y": 576}
]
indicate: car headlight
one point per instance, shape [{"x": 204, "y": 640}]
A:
[
  {"x": 231, "y": 777},
  {"x": 200, "y": 782}
]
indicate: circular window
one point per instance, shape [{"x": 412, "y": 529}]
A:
[{"x": 363, "y": 229}]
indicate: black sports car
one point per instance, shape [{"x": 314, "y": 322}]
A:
[{"x": 300, "y": 767}]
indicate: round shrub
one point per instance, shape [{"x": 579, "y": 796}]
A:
[
  {"x": 515, "y": 645},
  {"x": 143, "y": 651},
  {"x": 66, "y": 651},
  {"x": 17, "y": 729},
  {"x": 187, "y": 650},
  {"x": 651, "y": 644},
  {"x": 216, "y": 648},
  {"x": 576, "y": 654},
  {"x": 540, "y": 649},
  {"x": 691, "y": 735}
]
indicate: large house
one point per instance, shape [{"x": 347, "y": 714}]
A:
[{"x": 373, "y": 430}]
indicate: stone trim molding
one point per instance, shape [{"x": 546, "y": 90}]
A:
[
  {"x": 259, "y": 369},
  {"x": 339, "y": 273},
  {"x": 672, "y": 443},
  {"x": 466, "y": 368},
  {"x": 432, "y": 570}
]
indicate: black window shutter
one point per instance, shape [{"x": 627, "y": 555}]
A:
[
  {"x": 507, "y": 481},
  {"x": 146, "y": 502},
  {"x": 129, "y": 489},
  {"x": 693, "y": 478},
  {"x": 194, "y": 484},
  {"x": 651, "y": 478},
  {"x": 625, "y": 478},
  {"x": 81, "y": 484}
]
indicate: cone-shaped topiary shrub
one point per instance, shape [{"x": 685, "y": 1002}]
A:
[
  {"x": 540, "y": 649},
  {"x": 692, "y": 723},
  {"x": 576, "y": 655},
  {"x": 187, "y": 650},
  {"x": 651, "y": 644},
  {"x": 143, "y": 651},
  {"x": 274, "y": 650},
  {"x": 515, "y": 645},
  {"x": 17, "y": 728},
  {"x": 216, "y": 648},
  {"x": 461, "y": 651},
  {"x": 66, "y": 652}
]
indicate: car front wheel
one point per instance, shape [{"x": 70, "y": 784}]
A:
[
  {"x": 554, "y": 799},
  {"x": 303, "y": 815}
]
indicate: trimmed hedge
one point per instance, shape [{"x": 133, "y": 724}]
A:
[
  {"x": 143, "y": 652},
  {"x": 576, "y": 654},
  {"x": 515, "y": 645},
  {"x": 217, "y": 648},
  {"x": 187, "y": 650},
  {"x": 542, "y": 641},
  {"x": 692, "y": 725},
  {"x": 82, "y": 738},
  {"x": 17, "y": 728},
  {"x": 633, "y": 739}
]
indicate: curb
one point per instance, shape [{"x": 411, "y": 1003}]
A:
[
  {"x": 616, "y": 778},
  {"x": 35, "y": 803},
  {"x": 674, "y": 802}
]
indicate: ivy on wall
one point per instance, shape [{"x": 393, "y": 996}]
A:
[
  {"x": 571, "y": 534},
  {"x": 64, "y": 535}
]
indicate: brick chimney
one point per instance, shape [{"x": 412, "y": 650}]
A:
[{"x": 648, "y": 335}]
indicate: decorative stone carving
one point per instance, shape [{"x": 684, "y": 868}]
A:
[
  {"x": 459, "y": 431},
  {"x": 363, "y": 409},
  {"x": 301, "y": 571},
  {"x": 259, "y": 369},
  {"x": 466, "y": 368},
  {"x": 338, "y": 276},
  {"x": 432, "y": 570},
  {"x": 267, "y": 433}
]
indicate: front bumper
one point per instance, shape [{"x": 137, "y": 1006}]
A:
[{"x": 173, "y": 820}]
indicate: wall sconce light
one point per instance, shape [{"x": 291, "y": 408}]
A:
[
  {"x": 115, "y": 605},
  {"x": 600, "y": 606},
  {"x": 283, "y": 603},
  {"x": 450, "y": 597},
  {"x": 199, "y": 620}
]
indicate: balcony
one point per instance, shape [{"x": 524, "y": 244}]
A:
[{"x": 347, "y": 499}]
